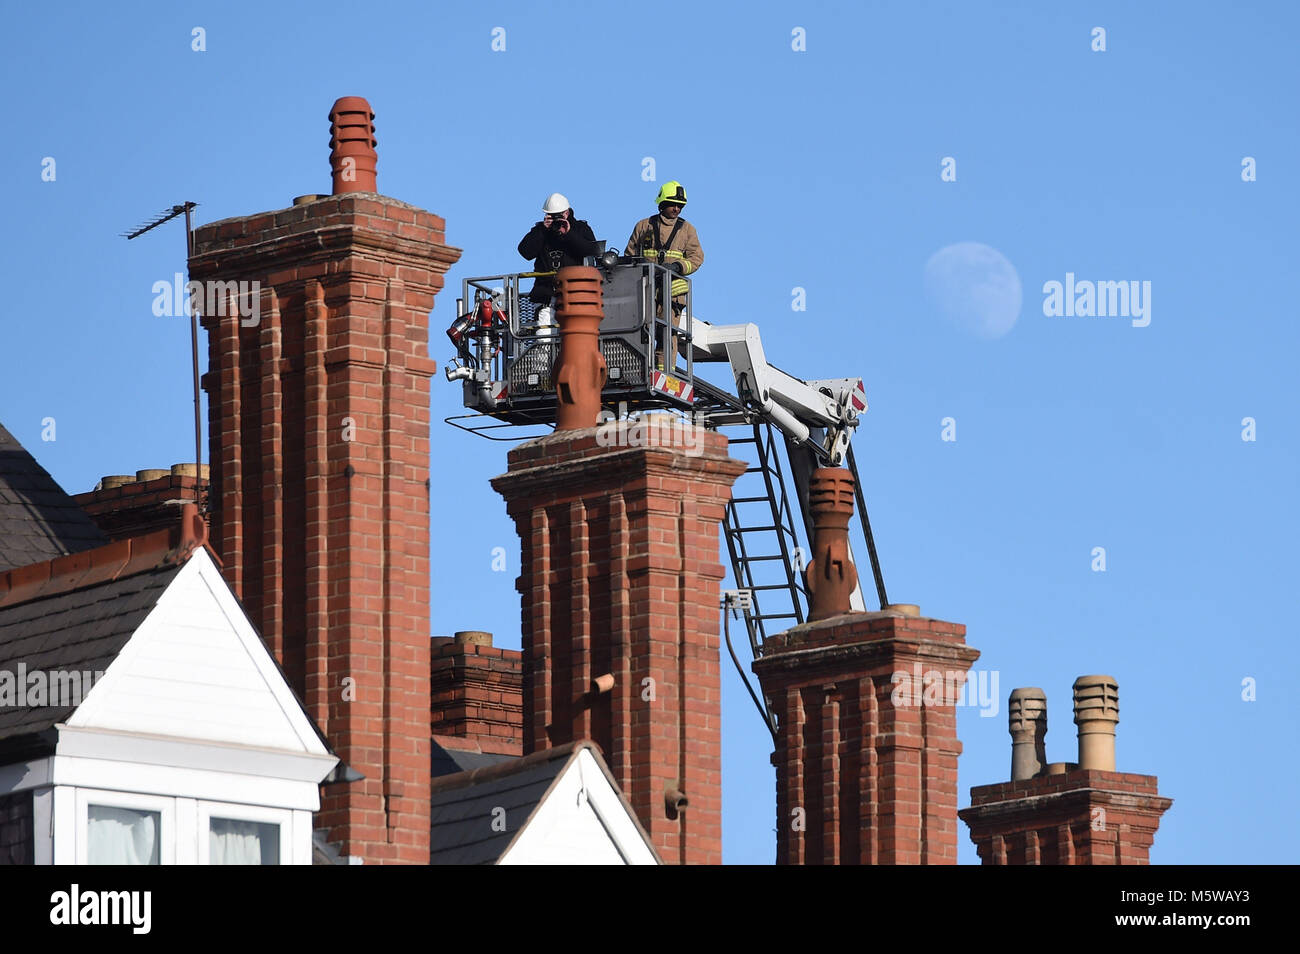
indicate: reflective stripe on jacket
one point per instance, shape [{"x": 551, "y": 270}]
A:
[{"x": 684, "y": 247}]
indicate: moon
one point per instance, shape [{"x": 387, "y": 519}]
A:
[{"x": 975, "y": 288}]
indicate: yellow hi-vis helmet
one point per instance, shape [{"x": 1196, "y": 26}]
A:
[{"x": 671, "y": 192}]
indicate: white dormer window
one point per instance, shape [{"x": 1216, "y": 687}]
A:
[
  {"x": 128, "y": 828},
  {"x": 190, "y": 750}
]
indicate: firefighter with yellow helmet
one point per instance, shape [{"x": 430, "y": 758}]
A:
[{"x": 669, "y": 239}]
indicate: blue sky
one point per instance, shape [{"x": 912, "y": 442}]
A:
[{"x": 817, "y": 169}]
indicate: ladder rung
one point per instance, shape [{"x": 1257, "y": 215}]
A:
[
  {"x": 761, "y": 559},
  {"x": 753, "y": 529}
]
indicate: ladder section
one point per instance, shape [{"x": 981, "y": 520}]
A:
[{"x": 759, "y": 525}]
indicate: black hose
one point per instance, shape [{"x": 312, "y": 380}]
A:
[{"x": 726, "y": 630}]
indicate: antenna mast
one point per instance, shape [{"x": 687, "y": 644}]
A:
[{"x": 166, "y": 216}]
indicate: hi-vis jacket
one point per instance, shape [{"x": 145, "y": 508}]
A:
[{"x": 677, "y": 242}]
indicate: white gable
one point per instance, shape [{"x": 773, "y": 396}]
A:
[
  {"x": 582, "y": 821},
  {"x": 196, "y": 669}
]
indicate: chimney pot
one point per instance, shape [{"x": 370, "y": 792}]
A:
[
  {"x": 580, "y": 372},
  {"x": 902, "y": 609},
  {"x": 151, "y": 474},
  {"x": 1027, "y": 722},
  {"x": 352, "y": 146},
  {"x": 1096, "y": 713},
  {"x": 473, "y": 637},
  {"x": 831, "y": 575}
]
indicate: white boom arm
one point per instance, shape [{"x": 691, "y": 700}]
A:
[
  {"x": 821, "y": 414},
  {"x": 799, "y": 408}
]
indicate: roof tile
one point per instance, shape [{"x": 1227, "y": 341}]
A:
[
  {"x": 78, "y": 631},
  {"x": 38, "y": 521}
]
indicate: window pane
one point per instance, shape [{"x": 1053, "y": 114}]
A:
[
  {"x": 122, "y": 836},
  {"x": 235, "y": 842}
]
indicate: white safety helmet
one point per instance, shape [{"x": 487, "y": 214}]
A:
[{"x": 555, "y": 204}]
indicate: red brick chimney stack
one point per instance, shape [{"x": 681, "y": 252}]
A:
[
  {"x": 124, "y": 506},
  {"x": 477, "y": 693},
  {"x": 619, "y": 578},
  {"x": 1066, "y": 813},
  {"x": 866, "y": 752},
  {"x": 319, "y": 429}
]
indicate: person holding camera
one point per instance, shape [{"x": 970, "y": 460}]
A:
[{"x": 559, "y": 239}]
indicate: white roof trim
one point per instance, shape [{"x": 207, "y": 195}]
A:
[
  {"x": 200, "y": 568},
  {"x": 582, "y": 819},
  {"x": 144, "y": 749}
]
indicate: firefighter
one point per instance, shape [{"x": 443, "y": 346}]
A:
[
  {"x": 669, "y": 239},
  {"x": 559, "y": 239}
]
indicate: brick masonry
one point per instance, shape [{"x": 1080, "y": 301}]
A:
[
  {"x": 860, "y": 779},
  {"x": 142, "y": 506},
  {"x": 319, "y": 436},
  {"x": 620, "y": 576},
  {"x": 1080, "y": 817},
  {"x": 477, "y": 696},
  {"x": 17, "y": 844}
]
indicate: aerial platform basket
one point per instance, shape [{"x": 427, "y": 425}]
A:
[{"x": 508, "y": 348}]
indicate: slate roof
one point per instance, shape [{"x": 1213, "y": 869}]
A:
[
  {"x": 38, "y": 521},
  {"x": 77, "y": 631},
  {"x": 450, "y": 761},
  {"x": 460, "y": 815}
]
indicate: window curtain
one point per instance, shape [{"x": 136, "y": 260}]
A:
[
  {"x": 235, "y": 842},
  {"x": 122, "y": 836}
]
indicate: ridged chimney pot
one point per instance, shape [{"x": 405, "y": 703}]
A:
[
  {"x": 353, "y": 159},
  {"x": 831, "y": 575},
  {"x": 1096, "y": 713},
  {"x": 1027, "y": 722}
]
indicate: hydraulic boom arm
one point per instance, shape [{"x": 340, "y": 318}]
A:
[{"x": 821, "y": 413}]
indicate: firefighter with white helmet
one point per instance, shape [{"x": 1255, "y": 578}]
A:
[{"x": 559, "y": 239}]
